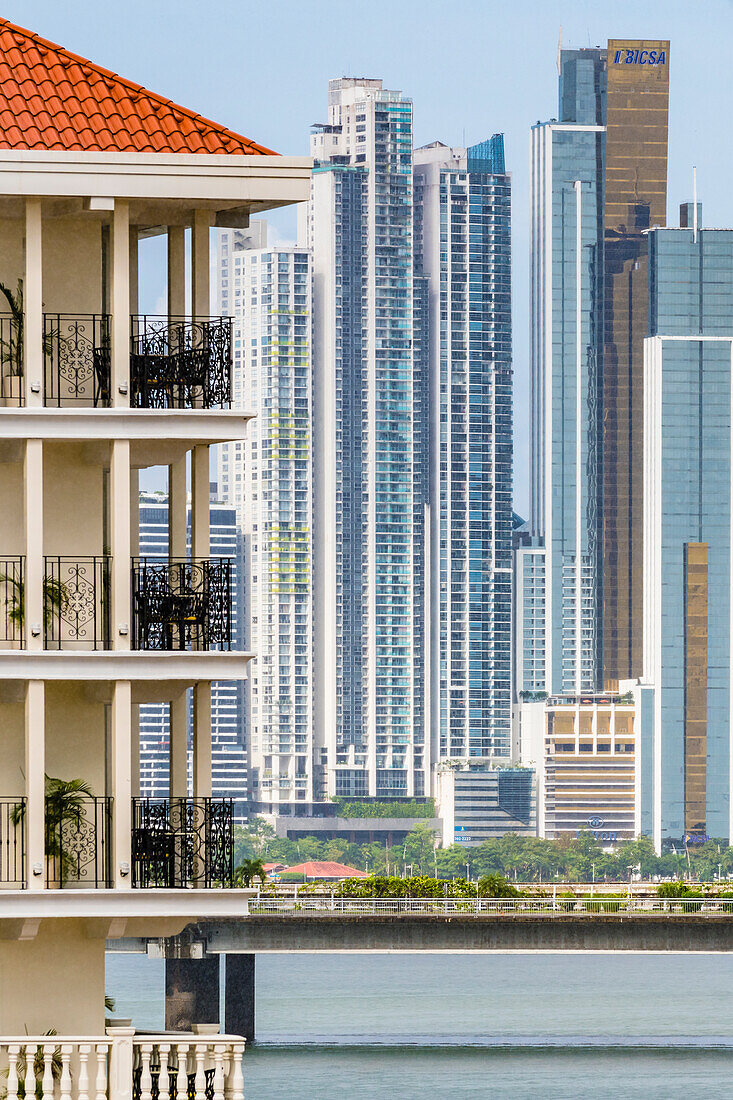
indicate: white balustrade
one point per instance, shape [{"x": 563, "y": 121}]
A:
[{"x": 122, "y": 1065}]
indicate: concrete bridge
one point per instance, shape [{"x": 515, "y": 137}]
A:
[{"x": 330, "y": 925}]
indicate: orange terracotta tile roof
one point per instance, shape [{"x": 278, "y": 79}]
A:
[
  {"x": 52, "y": 99},
  {"x": 324, "y": 869}
]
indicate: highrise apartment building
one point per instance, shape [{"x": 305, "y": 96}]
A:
[
  {"x": 598, "y": 184},
  {"x": 267, "y": 479},
  {"x": 228, "y": 749},
  {"x": 370, "y": 487},
  {"x": 463, "y": 248}
]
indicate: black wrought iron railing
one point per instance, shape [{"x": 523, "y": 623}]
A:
[
  {"x": 79, "y": 843},
  {"x": 182, "y": 604},
  {"x": 12, "y": 603},
  {"x": 76, "y": 353},
  {"x": 180, "y": 363},
  {"x": 180, "y": 842},
  {"x": 12, "y": 843},
  {"x": 11, "y": 360},
  {"x": 76, "y": 603}
]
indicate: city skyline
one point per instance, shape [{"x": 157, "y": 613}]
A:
[{"x": 454, "y": 104}]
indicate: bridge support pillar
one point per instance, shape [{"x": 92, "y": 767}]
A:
[
  {"x": 191, "y": 992},
  {"x": 239, "y": 996}
]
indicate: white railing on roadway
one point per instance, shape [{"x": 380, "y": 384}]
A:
[
  {"x": 122, "y": 1065},
  {"x": 541, "y": 906}
]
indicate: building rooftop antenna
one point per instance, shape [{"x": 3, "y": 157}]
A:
[
  {"x": 559, "y": 49},
  {"x": 694, "y": 203}
]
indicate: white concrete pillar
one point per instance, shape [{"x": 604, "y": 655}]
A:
[
  {"x": 33, "y": 305},
  {"x": 120, "y": 298},
  {"x": 177, "y": 509},
  {"x": 200, "y": 263},
  {"x": 134, "y": 512},
  {"x": 202, "y": 740},
  {"x": 176, "y": 271},
  {"x": 121, "y": 599},
  {"x": 200, "y": 502},
  {"x": 35, "y": 783},
  {"x": 34, "y": 563},
  {"x": 133, "y": 271},
  {"x": 122, "y": 784},
  {"x": 178, "y": 746},
  {"x": 135, "y": 750}
]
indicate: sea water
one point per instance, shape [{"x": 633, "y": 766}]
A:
[{"x": 534, "y": 1025}]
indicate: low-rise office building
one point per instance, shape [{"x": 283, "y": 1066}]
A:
[{"x": 475, "y": 805}]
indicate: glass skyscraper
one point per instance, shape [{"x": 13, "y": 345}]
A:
[
  {"x": 463, "y": 248},
  {"x": 370, "y": 470},
  {"x": 686, "y": 693},
  {"x": 598, "y": 184}
]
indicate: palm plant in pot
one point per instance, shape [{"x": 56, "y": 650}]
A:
[
  {"x": 65, "y": 812},
  {"x": 11, "y": 344},
  {"x": 55, "y": 602}
]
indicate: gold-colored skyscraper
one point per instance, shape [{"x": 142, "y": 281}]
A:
[{"x": 635, "y": 198}]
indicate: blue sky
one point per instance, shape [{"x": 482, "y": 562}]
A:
[{"x": 472, "y": 67}]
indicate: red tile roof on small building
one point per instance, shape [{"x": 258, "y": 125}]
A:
[
  {"x": 324, "y": 869},
  {"x": 53, "y": 99}
]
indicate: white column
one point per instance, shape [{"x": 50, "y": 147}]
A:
[
  {"x": 178, "y": 746},
  {"x": 176, "y": 271},
  {"x": 134, "y": 512},
  {"x": 35, "y": 785},
  {"x": 177, "y": 509},
  {"x": 202, "y": 740},
  {"x": 33, "y": 306},
  {"x": 122, "y": 784},
  {"x": 200, "y": 502},
  {"x": 133, "y": 270},
  {"x": 200, "y": 263},
  {"x": 121, "y": 304},
  {"x": 34, "y": 564},
  {"x": 135, "y": 785},
  {"x": 120, "y": 544}
]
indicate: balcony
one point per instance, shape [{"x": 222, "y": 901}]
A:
[
  {"x": 175, "y": 362},
  {"x": 182, "y": 604},
  {"x": 177, "y": 605},
  {"x": 179, "y": 363},
  {"x": 77, "y": 842},
  {"x": 182, "y": 842},
  {"x": 123, "y": 1066}
]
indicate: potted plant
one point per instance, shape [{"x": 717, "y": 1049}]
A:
[
  {"x": 64, "y": 807},
  {"x": 11, "y": 346},
  {"x": 55, "y": 602}
]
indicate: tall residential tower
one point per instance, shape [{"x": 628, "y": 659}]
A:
[{"x": 370, "y": 483}]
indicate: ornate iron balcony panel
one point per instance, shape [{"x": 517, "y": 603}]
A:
[
  {"x": 180, "y": 363},
  {"x": 12, "y": 843},
  {"x": 180, "y": 842},
  {"x": 76, "y": 352},
  {"x": 182, "y": 604},
  {"x": 78, "y": 843},
  {"x": 12, "y": 603},
  {"x": 76, "y": 603}
]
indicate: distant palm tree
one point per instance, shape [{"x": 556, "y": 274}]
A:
[{"x": 248, "y": 871}]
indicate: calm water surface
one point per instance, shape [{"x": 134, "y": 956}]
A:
[{"x": 368, "y": 1027}]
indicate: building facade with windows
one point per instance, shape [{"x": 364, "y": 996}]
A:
[
  {"x": 91, "y": 392},
  {"x": 228, "y": 748},
  {"x": 268, "y": 480},
  {"x": 463, "y": 248},
  {"x": 686, "y": 692},
  {"x": 370, "y": 484},
  {"x": 598, "y": 183}
]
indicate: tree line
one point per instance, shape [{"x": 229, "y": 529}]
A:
[{"x": 518, "y": 858}]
